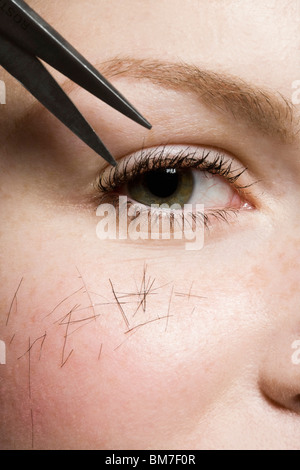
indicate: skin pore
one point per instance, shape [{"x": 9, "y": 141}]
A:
[{"x": 117, "y": 344}]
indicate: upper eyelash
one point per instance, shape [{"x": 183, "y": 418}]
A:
[{"x": 160, "y": 158}]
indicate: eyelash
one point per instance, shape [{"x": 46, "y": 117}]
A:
[{"x": 160, "y": 158}]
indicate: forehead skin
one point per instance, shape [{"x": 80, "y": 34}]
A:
[
  {"x": 236, "y": 36},
  {"x": 172, "y": 385},
  {"x": 239, "y": 37}
]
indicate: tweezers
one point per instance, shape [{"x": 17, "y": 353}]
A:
[{"x": 24, "y": 39}]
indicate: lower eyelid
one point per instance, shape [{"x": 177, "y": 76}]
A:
[{"x": 150, "y": 222}]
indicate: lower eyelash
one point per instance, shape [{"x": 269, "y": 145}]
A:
[{"x": 175, "y": 218}]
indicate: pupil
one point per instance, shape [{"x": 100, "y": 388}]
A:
[{"x": 162, "y": 183}]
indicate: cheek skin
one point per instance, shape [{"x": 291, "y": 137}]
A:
[
  {"x": 194, "y": 350},
  {"x": 152, "y": 386},
  {"x": 106, "y": 399},
  {"x": 114, "y": 388},
  {"x": 194, "y": 343},
  {"x": 113, "y": 385}
]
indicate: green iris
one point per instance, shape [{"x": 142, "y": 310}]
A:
[{"x": 165, "y": 186}]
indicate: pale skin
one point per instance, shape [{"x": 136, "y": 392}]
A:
[{"x": 207, "y": 362}]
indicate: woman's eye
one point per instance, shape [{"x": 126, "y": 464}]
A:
[
  {"x": 176, "y": 186},
  {"x": 164, "y": 181}
]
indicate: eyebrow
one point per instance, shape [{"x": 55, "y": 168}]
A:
[{"x": 269, "y": 112}]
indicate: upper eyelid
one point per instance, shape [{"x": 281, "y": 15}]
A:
[{"x": 186, "y": 157}]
